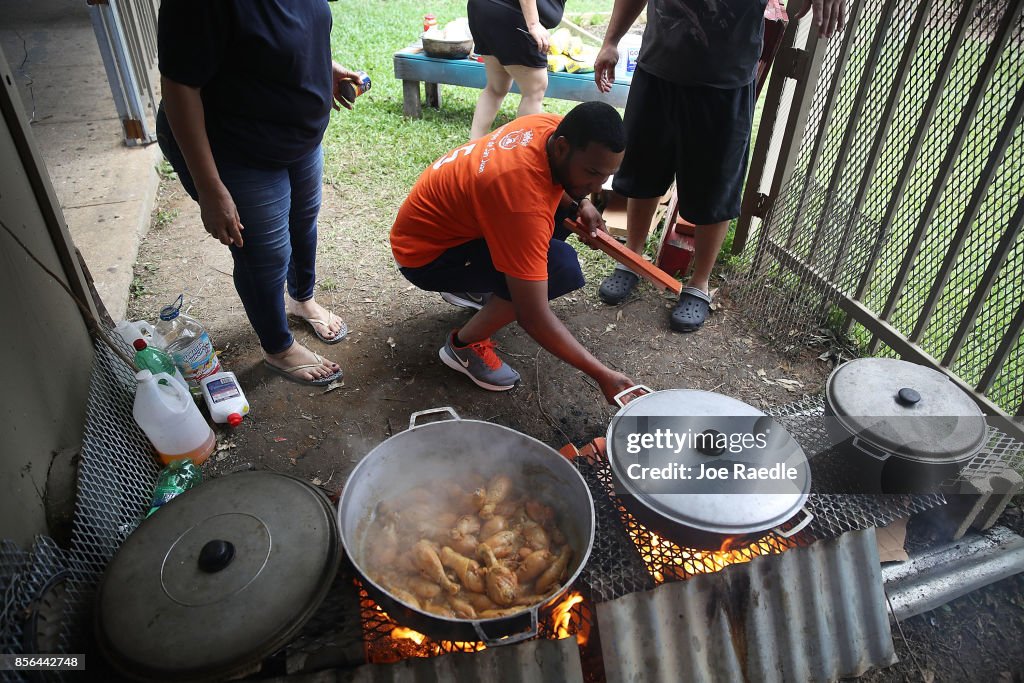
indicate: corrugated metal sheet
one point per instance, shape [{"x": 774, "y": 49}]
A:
[
  {"x": 529, "y": 662},
  {"x": 810, "y": 614}
]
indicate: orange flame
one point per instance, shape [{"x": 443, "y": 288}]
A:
[
  {"x": 667, "y": 561},
  {"x": 400, "y": 632},
  {"x": 562, "y": 616}
]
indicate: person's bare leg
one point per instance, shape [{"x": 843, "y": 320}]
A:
[
  {"x": 311, "y": 310},
  {"x": 491, "y": 97},
  {"x": 639, "y": 213},
  {"x": 532, "y": 84},
  {"x": 707, "y": 243},
  {"x": 495, "y": 314}
]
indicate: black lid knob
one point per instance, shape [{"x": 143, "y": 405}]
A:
[
  {"x": 216, "y": 555},
  {"x": 710, "y": 443},
  {"x": 907, "y": 396}
]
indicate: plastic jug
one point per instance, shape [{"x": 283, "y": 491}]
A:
[
  {"x": 130, "y": 330},
  {"x": 171, "y": 420},
  {"x": 224, "y": 398}
]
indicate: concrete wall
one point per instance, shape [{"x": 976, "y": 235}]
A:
[{"x": 45, "y": 348}]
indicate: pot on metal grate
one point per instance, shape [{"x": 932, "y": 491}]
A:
[
  {"x": 706, "y": 470},
  {"x": 903, "y": 427},
  {"x": 428, "y": 453}
]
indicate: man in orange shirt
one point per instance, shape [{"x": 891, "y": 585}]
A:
[{"x": 480, "y": 219}]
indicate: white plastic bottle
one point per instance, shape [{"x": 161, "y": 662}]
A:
[
  {"x": 171, "y": 420},
  {"x": 629, "y": 51},
  {"x": 188, "y": 344},
  {"x": 224, "y": 398}
]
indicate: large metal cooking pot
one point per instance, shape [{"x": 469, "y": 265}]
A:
[
  {"x": 700, "y": 490},
  {"x": 431, "y": 452},
  {"x": 904, "y": 427}
]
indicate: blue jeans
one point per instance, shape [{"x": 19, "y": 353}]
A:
[{"x": 278, "y": 208}]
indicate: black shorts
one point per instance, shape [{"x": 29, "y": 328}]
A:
[
  {"x": 699, "y": 134},
  {"x": 500, "y": 31}
]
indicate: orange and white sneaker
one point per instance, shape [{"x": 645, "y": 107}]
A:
[{"x": 480, "y": 363}]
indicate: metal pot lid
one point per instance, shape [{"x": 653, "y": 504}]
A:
[
  {"x": 909, "y": 410},
  {"x": 219, "y": 578},
  {"x": 731, "y": 469}
]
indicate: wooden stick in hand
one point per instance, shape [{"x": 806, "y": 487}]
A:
[{"x": 627, "y": 257}]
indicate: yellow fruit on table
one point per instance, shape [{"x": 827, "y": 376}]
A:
[
  {"x": 559, "y": 42},
  {"x": 577, "y": 66},
  {"x": 575, "y": 47},
  {"x": 557, "y": 63}
]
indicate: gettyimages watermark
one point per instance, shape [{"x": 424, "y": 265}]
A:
[{"x": 758, "y": 455}]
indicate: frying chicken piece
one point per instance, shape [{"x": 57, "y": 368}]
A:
[
  {"x": 480, "y": 601},
  {"x": 404, "y": 595},
  {"x": 426, "y": 560},
  {"x": 462, "y": 608},
  {"x": 422, "y": 588},
  {"x": 534, "y": 565},
  {"x": 502, "y": 544},
  {"x": 464, "y": 545},
  {"x": 500, "y": 581},
  {"x": 535, "y": 536},
  {"x": 497, "y": 490},
  {"x": 467, "y": 570},
  {"x": 539, "y": 512},
  {"x": 467, "y": 525},
  {"x": 493, "y": 525},
  {"x": 384, "y": 549},
  {"x": 439, "y": 610},
  {"x": 507, "y": 508},
  {"x": 553, "y": 574}
]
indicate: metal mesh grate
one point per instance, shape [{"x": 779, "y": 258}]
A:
[{"x": 116, "y": 473}]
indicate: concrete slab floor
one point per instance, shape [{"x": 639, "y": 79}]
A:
[{"x": 106, "y": 189}]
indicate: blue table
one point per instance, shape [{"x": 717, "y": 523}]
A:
[{"x": 412, "y": 67}]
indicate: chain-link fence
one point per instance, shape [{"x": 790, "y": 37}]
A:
[{"x": 914, "y": 128}]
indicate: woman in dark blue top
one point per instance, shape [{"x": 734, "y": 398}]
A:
[{"x": 248, "y": 87}]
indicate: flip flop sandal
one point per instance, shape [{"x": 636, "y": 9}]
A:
[
  {"x": 287, "y": 372},
  {"x": 691, "y": 311},
  {"x": 313, "y": 322},
  {"x": 617, "y": 286}
]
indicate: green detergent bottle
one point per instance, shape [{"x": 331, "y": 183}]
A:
[{"x": 173, "y": 480}]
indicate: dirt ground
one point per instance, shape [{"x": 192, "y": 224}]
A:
[{"x": 392, "y": 370}]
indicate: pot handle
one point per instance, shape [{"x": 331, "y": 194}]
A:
[
  {"x": 618, "y": 398},
  {"x": 869, "y": 450},
  {"x": 808, "y": 517},
  {"x": 508, "y": 640},
  {"x": 431, "y": 411}
]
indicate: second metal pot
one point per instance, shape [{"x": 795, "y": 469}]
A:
[
  {"x": 691, "y": 507},
  {"x": 904, "y": 427}
]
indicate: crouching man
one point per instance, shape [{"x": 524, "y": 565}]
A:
[{"x": 481, "y": 222}]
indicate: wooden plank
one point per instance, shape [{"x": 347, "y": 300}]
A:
[{"x": 627, "y": 257}]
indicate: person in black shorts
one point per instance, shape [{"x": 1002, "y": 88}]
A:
[
  {"x": 688, "y": 116},
  {"x": 512, "y": 37}
]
